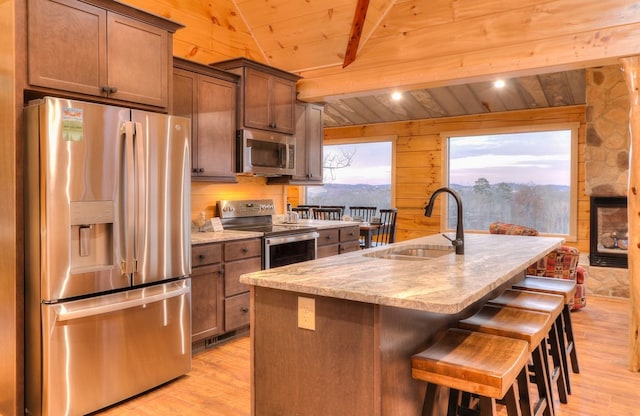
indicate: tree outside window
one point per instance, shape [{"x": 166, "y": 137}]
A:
[{"x": 525, "y": 178}]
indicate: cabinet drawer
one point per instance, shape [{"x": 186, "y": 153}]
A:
[
  {"x": 329, "y": 236},
  {"x": 243, "y": 249},
  {"x": 349, "y": 246},
  {"x": 236, "y": 312},
  {"x": 203, "y": 254},
  {"x": 232, "y": 272},
  {"x": 328, "y": 250},
  {"x": 350, "y": 233}
]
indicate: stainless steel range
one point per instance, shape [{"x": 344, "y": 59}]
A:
[{"x": 282, "y": 244}]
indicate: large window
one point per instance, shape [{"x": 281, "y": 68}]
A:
[
  {"x": 522, "y": 177},
  {"x": 355, "y": 174}
]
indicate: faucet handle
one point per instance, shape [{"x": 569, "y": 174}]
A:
[{"x": 454, "y": 242}]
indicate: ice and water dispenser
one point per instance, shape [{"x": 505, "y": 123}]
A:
[{"x": 91, "y": 235}]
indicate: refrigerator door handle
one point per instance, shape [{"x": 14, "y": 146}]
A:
[
  {"x": 140, "y": 194},
  {"x": 63, "y": 315},
  {"x": 129, "y": 197}
]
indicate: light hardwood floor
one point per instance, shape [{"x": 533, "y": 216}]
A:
[{"x": 219, "y": 381}]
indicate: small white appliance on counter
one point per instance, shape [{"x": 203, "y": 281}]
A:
[{"x": 108, "y": 254}]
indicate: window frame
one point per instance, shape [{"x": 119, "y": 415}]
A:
[
  {"x": 573, "y": 127},
  {"x": 362, "y": 140}
]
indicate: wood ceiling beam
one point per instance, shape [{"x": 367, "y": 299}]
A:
[
  {"x": 356, "y": 31},
  {"x": 572, "y": 51}
]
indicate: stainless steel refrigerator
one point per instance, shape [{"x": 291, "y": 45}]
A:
[{"x": 108, "y": 254}]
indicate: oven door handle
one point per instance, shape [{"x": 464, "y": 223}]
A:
[{"x": 270, "y": 241}]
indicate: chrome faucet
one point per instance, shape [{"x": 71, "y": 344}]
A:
[{"x": 458, "y": 243}]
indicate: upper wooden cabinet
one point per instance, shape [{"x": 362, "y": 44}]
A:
[
  {"x": 268, "y": 95},
  {"x": 208, "y": 96},
  {"x": 309, "y": 145},
  {"x": 100, "y": 48}
]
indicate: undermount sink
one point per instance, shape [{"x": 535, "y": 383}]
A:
[{"x": 413, "y": 252}]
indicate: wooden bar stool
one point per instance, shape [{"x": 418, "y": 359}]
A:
[
  {"x": 553, "y": 305},
  {"x": 566, "y": 288},
  {"x": 530, "y": 326},
  {"x": 481, "y": 364}
]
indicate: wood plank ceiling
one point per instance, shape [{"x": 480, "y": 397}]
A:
[
  {"x": 530, "y": 92},
  {"x": 443, "y": 54}
]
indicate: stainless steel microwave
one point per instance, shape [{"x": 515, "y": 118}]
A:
[{"x": 265, "y": 153}]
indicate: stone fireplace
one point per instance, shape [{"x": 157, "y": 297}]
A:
[
  {"x": 609, "y": 232},
  {"x": 606, "y": 180}
]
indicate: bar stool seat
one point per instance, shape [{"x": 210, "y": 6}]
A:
[
  {"x": 529, "y": 326},
  {"x": 562, "y": 287},
  {"x": 476, "y": 363},
  {"x": 553, "y": 305}
]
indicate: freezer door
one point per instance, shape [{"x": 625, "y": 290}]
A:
[
  {"x": 102, "y": 350},
  {"x": 162, "y": 160}
]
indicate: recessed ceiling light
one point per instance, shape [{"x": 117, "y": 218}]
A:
[
  {"x": 395, "y": 96},
  {"x": 499, "y": 83}
]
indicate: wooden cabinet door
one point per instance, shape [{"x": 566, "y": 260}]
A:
[
  {"x": 256, "y": 100},
  {"x": 67, "y": 46},
  {"x": 314, "y": 143},
  {"x": 185, "y": 85},
  {"x": 216, "y": 127},
  {"x": 301, "y": 142},
  {"x": 138, "y": 61},
  {"x": 283, "y": 98},
  {"x": 206, "y": 302}
]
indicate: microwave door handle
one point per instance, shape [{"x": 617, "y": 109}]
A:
[{"x": 285, "y": 159}]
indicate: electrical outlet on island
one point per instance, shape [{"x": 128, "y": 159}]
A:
[{"x": 306, "y": 313}]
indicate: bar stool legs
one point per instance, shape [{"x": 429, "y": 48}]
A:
[
  {"x": 530, "y": 326},
  {"x": 567, "y": 289},
  {"x": 485, "y": 365},
  {"x": 553, "y": 305}
]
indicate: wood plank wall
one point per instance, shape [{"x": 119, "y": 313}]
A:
[{"x": 418, "y": 169}]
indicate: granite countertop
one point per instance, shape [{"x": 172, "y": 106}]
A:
[
  {"x": 220, "y": 236},
  {"x": 445, "y": 284},
  {"x": 229, "y": 235}
]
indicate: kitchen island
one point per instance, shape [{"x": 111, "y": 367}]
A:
[{"x": 369, "y": 312}]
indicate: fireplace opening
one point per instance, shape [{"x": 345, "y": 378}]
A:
[{"x": 609, "y": 235}]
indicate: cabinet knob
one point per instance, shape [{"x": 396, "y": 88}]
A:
[
  {"x": 113, "y": 90},
  {"x": 201, "y": 257},
  {"x": 105, "y": 88},
  {"x": 194, "y": 170},
  {"x": 245, "y": 250},
  {"x": 244, "y": 309},
  {"x": 201, "y": 170}
]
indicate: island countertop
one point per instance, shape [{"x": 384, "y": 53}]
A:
[{"x": 445, "y": 284}]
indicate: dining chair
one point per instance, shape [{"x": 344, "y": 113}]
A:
[
  {"x": 327, "y": 213},
  {"x": 303, "y": 212},
  {"x": 341, "y": 207},
  {"x": 387, "y": 232},
  {"x": 362, "y": 213}
]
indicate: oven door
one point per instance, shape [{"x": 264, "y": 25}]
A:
[{"x": 289, "y": 249}]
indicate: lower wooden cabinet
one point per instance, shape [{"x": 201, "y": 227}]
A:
[
  {"x": 219, "y": 302},
  {"x": 340, "y": 240}
]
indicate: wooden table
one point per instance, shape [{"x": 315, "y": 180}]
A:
[{"x": 368, "y": 231}]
